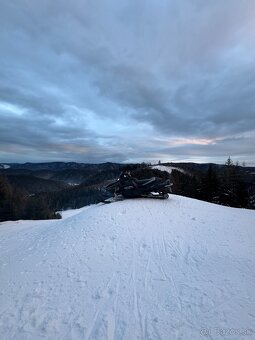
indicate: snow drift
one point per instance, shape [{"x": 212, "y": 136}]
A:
[{"x": 136, "y": 269}]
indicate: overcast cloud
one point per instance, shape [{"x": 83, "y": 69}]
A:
[{"x": 127, "y": 80}]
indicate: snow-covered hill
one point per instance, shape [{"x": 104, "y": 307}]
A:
[
  {"x": 136, "y": 269},
  {"x": 168, "y": 168}
]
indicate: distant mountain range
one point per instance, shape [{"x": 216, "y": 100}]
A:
[
  {"x": 57, "y": 165},
  {"x": 56, "y": 176}
]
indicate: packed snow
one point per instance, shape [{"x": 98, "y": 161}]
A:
[{"x": 134, "y": 269}]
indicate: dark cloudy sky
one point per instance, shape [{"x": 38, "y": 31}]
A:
[{"x": 127, "y": 80}]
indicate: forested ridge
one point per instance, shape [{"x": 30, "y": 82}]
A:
[{"x": 39, "y": 192}]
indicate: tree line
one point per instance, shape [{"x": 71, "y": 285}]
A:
[
  {"x": 16, "y": 204},
  {"x": 226, "y": 187}
]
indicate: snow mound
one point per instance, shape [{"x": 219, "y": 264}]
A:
[{"x": 136, "y": 269}]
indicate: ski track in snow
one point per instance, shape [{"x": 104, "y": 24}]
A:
[{"x": 136, "y": 269}]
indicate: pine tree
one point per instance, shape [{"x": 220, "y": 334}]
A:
[{"x": 229, "y": 162}]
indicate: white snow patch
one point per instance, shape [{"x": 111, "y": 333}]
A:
[
  {"x": 4, "y": 166},
  {"x": 135, "y": 269},
  {"x": 168, "y": 169}
]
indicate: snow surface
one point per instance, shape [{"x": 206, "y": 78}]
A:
[
  {"x": 71, "y": 212},
  {"x": 135, "y": 269}
]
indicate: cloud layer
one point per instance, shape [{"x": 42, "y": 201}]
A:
[{"x": 127, "y": 80}]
